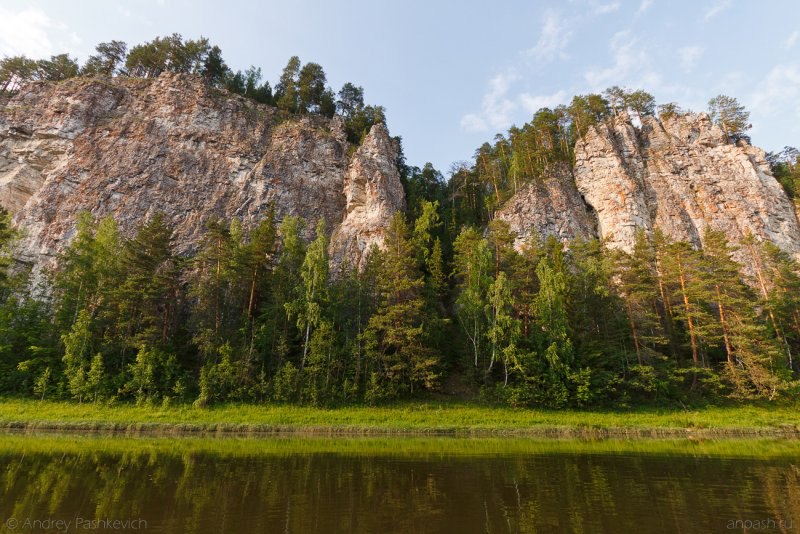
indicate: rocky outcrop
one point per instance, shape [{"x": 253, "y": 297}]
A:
[
  {"x": 549, "y": 207},
  {"x": 132, "y": 148},
  {"x": 373, "y": 193},
  {"x": 680, "y": 175}
]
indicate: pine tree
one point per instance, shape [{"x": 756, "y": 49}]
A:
[
  {"x": 639, "y": 290},
  {"x": 685, "y": 265},
  {"x": 149, "y": 298},
  {"x": 287, "y": 93},
  {"x": 731, "y": 116},
  {"x": 210, "y": 286},
  {"x": 395, "y": 339}
]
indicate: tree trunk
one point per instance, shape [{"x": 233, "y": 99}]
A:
[
  {"x": 724, "y": 324},
  {"x": 689, "y": 322},
  {"x": 634, "y": 333}
]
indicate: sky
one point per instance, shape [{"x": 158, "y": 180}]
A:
[{"x": 452, "y": 75}]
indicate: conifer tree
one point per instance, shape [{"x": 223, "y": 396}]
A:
[{"x": 395, "y": 339}]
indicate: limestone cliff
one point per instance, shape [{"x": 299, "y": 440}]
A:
[
  {"x": 680, "y": 175},
  {"x": 549, "y": 207},
  {"x": 132, "y": 148}
]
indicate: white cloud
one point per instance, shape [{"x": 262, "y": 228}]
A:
[
  {"x": 688, "y": 56},
  {"x": 791, "y": 40},
  {"x": 496, "y": 108},
  {"x": 644, "y": 6},
  {"x": 533, "y": 103},
  {"x": 717, "y": 8},
  {"x": 602, "y": 9},
  {"x": 628, "y": 56},
  {"x": 25, "y": 32},
  {"x": 33, "y": 33},
  {"x": 553, "y": 39},
  {"x": 779, "y": 92}
]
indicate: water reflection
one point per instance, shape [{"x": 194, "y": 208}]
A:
[{"x": 303, "y": 485}]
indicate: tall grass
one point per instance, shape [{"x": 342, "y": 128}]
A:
[{"x": 410, "y": 417}]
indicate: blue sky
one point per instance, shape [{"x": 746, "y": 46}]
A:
[{"x": 453, "y": 74}]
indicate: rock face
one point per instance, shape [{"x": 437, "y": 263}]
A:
[
  {"x": 132, "y": 148},
  {"x": 680, "y": 175},
  {"x": 373, "y": 194},
  {"x": 551, "y": 207}
]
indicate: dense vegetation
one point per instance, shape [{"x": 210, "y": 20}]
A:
[
  {"x": 256, "y": 316},
  {"x": 449, "y": 304}
]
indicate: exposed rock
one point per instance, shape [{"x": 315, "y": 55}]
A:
[
  {"x": 132, "y": 148},
  {"x": 680, "y": 175},
  {"x": 551, "y": 207},
  {"x": 374, "y": 193}
]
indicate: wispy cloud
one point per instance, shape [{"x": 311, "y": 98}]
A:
[
  {"x": 602, "y": 9},
  {"x": 533, "y": 103},
  {"x": 644, "y": 6},
  {"x": 718, "y": 7},
  {"x": 553, "y": 39},
  {"x": 496, "y": 108},
  {"x": 628, "y": 57},
  {"x": 791, "y": 40},
  {"x": 25, "y": 32},
  {"x": 688, "y": 56},
  {"x": 779, "y": 91}
]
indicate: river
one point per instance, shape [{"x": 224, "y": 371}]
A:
[{"x": 73, "y": 483}]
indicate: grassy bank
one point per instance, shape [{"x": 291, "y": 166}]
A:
[
  {"x": 411, "y": 417},
  {"x": 420, "y": 447}
]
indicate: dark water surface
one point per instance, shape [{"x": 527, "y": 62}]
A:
[{"x": 395, "y": 485}]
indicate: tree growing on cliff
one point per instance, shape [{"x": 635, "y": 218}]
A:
[
  {"x": 726, "y": 112},
  {"x": 287, "y": 92},
  {"x": 14, "y": 71},
  {"x": 107, "y": 60},
  {"x": 57, "y": 68}
]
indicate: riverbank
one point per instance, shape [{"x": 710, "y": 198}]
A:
[{"x": 410, "y": 418}]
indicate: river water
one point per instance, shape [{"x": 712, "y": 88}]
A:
[{"x": 410, "y": 485}]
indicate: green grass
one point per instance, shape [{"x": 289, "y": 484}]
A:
[
  {"x": 408, "y": 447},
  {"x": 411, "y": 417}
]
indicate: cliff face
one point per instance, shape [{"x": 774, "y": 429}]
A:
[
  {"x": 679, "y": 175},
  {"x": 551, "y": 207},
  {"x": 133, "y": 148}
]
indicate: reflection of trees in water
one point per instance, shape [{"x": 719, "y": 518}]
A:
[{"x": 201, "y": 492}]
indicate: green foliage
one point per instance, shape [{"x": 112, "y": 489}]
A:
[
  {"x": 396, "y": 340},
  {"x": 77, "y": 350},
  {"x": 107, "y": 60},
  {"x": 472, "y": 268},
  {"x": 726, "y": 112},
  {"x": 57, "y": 68},
  {"x": 15, "y": 71},
  {"x": 449, "y": 300},
  {"x": 785, "y": 166},
  {"x": 167, "y": 54}
]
